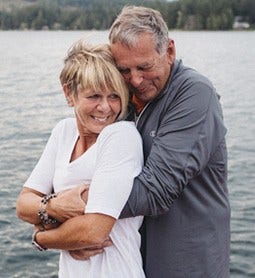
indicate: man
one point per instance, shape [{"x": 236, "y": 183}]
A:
[{"x": 182, "y": 188}]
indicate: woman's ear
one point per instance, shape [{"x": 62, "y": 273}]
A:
[{"x": 68, "y": 95}]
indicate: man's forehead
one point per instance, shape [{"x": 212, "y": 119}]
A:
[
  {"x": 133, "y": 59},
  {"x": 134, "y": 63}
]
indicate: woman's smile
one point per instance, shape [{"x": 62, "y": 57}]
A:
[
  {"x": 100, "y": 119},
  {"x": 95, "y": 110}
]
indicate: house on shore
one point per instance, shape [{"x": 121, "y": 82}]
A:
[{"x": 240, "y": 23}]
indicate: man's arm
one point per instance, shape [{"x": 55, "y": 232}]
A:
[
  {"x": 189, "y": 132},
  {"x": 68, "y": 203}
]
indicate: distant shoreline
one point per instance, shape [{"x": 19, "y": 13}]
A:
[{"x": 99, "y": 30}]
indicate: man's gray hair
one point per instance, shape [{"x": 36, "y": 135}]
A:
[{"x": 135, "y": 20}]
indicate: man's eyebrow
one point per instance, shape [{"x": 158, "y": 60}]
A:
[
  {"x": 146, "y": 64},
  {"x": 121, "y": 68}
]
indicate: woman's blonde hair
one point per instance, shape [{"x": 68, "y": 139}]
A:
[{"x": 93, "y": 67}]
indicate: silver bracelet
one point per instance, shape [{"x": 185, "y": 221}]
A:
[
  {"x": 35, "y": 243},
  {"x": 43, "y": 215}
]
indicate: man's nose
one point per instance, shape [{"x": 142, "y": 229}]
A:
[{"x": 136, "y": 78}]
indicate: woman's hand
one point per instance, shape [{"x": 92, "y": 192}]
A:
[{"x": 68, "y": 203}]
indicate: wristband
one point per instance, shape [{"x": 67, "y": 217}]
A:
[{"x": 35, "y": 243}]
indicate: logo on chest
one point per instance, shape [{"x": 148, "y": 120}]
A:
[{"x": 153, "y": 133}]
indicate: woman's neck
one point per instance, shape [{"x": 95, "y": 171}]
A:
[{"x": 83, "y": 143}]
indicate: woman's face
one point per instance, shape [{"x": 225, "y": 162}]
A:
[{"x": 96, "y": 110}]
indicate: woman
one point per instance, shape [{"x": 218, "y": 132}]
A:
[{"x": 97, "y": 148}]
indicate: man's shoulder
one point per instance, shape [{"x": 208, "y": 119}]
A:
[
  {"x": 188, "y": 74},
  {"x": 187, "y": 86}
]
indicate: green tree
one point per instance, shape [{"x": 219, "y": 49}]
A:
[
  {"x": 5, "y": 20},
  {"x": 99, "y": 14}
]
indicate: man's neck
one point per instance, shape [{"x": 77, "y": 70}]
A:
[{"x": 139, "y": 104}]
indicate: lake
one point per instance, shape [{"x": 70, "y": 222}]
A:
[{"x": 31, "y": 103}]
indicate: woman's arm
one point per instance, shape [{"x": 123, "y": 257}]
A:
[
  {"x": 77, "y": 231},
  {"x": 28, "y": 204},
  {"x": 89, "y": 230},
  {"x": 67, "y": 204}
]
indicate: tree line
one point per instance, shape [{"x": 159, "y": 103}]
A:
[{"x": 99, "y": 14}]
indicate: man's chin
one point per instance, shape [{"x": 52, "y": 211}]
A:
[{"x": 146, "y": 97}]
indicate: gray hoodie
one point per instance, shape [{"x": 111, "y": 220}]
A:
[{"x": 182, "y": 188}]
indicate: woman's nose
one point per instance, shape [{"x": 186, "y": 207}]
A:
[{"x": 104, "y": 105}]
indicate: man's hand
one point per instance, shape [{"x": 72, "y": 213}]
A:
[
  {"x": 68, "y": 203},
  {"x": 85, "y": 254}
]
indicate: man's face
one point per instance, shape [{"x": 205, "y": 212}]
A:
[{"x": 143, "y": 68}]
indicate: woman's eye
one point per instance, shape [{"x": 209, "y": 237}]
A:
[
  {"x": 95, "y": 96},
  {"x": 114, "y": 96}
]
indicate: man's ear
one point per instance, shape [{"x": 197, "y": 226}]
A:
[
  {"x": 171, "y": 51},
  {"x": 68, "y": 95}
]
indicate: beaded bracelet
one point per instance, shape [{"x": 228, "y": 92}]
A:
[{"x": 45, "y": 218}]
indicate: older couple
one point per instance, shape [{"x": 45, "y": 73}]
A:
[{"x": 180, "y": 190}]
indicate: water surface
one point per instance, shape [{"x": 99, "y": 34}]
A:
[{"x": 31, "y": 103}]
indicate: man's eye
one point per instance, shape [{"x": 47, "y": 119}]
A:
[
  {"x": 145, "y": 68},
  {"x": 124, "y": 71}
]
